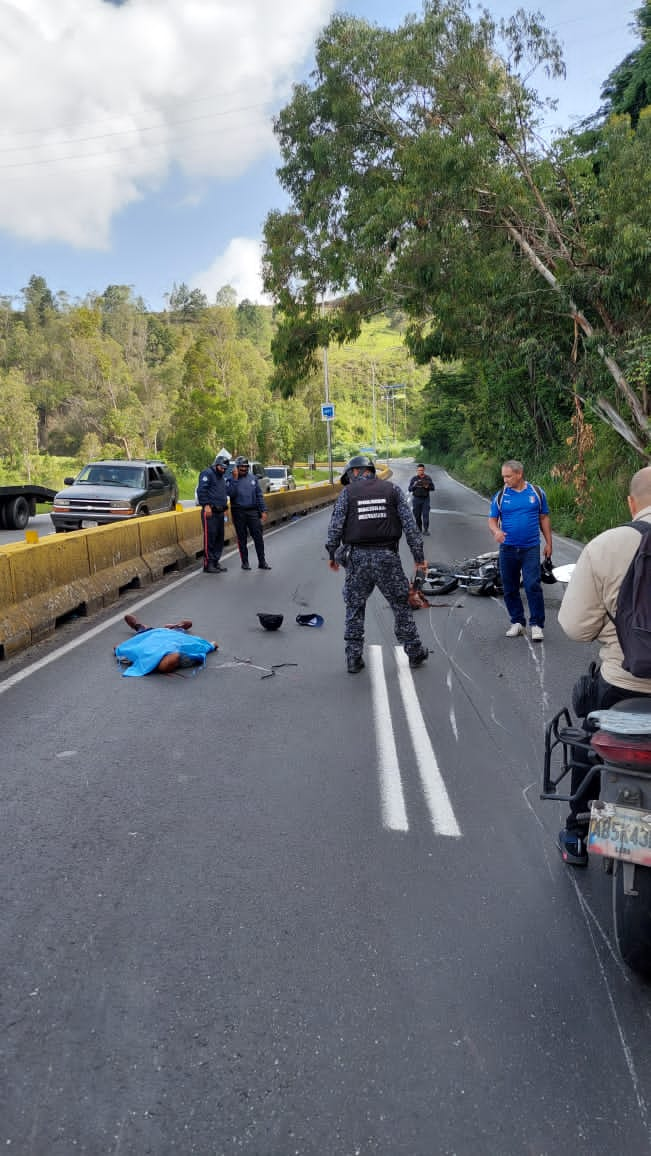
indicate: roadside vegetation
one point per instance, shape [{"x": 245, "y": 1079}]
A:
[{"x": 489, "y": 290}]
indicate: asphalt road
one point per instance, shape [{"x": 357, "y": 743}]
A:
[{"x": 307, "y": 914}]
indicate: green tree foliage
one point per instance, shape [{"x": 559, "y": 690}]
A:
[
  {"x": 186, "y": 304},
  {"x": 254, "y": 324},
  {"x": 39, "y": 302},
  {"x": 628, "y": 88},
  {"x": 417, "y": 180},
  {"x": 224, "y": 389},
  {"x": 18, "y": 423}
]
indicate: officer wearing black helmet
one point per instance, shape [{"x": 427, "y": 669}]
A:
[
  {"x": 249, "y": 512},
  {"x": 212, "y": 496},
  {"x": 364, "y": 535}
]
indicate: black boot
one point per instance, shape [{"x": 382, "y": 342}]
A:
[
  {"x": 420, "y": 658},
  {"x": 355, "y": 664}
]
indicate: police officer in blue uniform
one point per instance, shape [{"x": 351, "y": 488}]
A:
[
  {"x": 364, "y": 534},
  {"x": 212, "y": 496},
  {"x": 249, "y": 512}
]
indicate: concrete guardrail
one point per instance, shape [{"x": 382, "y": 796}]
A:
[{"x": 45, "y": 581}]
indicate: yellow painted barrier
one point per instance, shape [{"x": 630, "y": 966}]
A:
[
  {"x": 44, "y": 580},
  {"x": 160, "y": 548},
  {"x": 48, "y": 579},
  {"x": 115, "y": 560}
]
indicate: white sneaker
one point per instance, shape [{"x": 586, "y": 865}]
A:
[
  {"x": 515, "y": 629},
  {"x": 537, "y": 634}
]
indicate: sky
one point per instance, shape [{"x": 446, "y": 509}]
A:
[{"x": 136, "y": 142}]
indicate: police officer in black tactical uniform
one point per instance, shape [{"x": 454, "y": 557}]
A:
[
  {"x": 364, "y": 533},
  {"x": 249, "y": 512},
  {"x": 420, "y": 487},
  {"x": 212, "y": 496}
]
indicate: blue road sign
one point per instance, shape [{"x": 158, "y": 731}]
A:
[{"x": 327, "y": 412}]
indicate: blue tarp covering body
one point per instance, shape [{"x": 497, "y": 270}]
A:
[{"x": 145, "y": 650}]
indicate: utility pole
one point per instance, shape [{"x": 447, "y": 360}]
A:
[
  {"x": 374, "y": 410},
  {"x": 326, "y": 385},
  {"x": 326, "y": 398}
]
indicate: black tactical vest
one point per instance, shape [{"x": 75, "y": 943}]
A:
[{"x": 372, "y": 518}]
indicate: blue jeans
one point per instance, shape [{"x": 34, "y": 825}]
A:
[{"x": 525, "y": 560}]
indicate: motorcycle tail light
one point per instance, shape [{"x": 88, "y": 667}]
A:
[{"x": 623, "y": 750}]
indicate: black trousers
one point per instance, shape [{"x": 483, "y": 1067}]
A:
[
  {"x": 213, "y": 536},
  {"x": 248, "y": 522},
  {"x": 606, "y": 696},
  {"x": 420, "y": 508}
]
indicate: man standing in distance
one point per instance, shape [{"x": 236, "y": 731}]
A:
[
  {"x": 249, "y": 512},
  {"x": 519, "y": 513},
  {"x": 421, "y": 486},
  {"x": 368, "y": 518},
  {"x": 213, "y": 499}
]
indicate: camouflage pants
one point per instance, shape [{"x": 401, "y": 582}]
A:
[{"x": 382, "y": 568}]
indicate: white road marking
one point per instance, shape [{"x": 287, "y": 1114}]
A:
[
  {"x": 436, "y": 795},
  {"x": 394, "y": 813}
]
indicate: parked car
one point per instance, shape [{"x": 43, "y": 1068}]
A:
[
  {"x": 279, "y": 478},
  {"x": 114, "y": 491}
]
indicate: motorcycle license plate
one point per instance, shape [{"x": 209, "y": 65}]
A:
[{"x": 620, "y": 833}]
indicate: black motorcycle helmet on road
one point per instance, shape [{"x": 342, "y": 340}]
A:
[{"x": 359, "y": 462}]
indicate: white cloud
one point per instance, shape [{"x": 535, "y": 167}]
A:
[
  {"x": 238, "y": 266},
  {"x": 100, "y": 102}
]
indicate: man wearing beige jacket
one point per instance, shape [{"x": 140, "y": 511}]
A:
[{"x": 586, "y": 614}]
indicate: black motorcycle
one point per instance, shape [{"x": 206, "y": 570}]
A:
[
  {"x": 617, "y": 746},
  {"x": 478, "y": 575}
]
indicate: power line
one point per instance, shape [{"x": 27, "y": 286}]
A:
[
  {"x": 56, "y": 128},
  {"x": 104, "y": 154},
  {"x": 106, "y": 136}
]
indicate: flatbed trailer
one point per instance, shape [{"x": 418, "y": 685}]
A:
[{"x": 18, "y": 504}]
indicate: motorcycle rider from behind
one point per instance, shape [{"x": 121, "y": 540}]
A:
[{"x": 587, "y": 614}]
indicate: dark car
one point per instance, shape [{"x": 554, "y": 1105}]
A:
[
  {"x": 280, "y": 478},
  {"x": 114, "y": 491}
]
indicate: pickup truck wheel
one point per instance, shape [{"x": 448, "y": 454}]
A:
[
  {"x": 3, "y": 517},
  {"x": 17, "y": 514}
]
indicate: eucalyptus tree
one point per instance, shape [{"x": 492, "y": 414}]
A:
[
  {"x": 223, "y": 390},
  {"x": 628, "y": 88},
  {"x": 418, "y": 178},
  {"x": 18, "y": 424}
]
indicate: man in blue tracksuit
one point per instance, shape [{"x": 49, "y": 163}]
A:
[
  {"x": 519, "y": 514},
  {"x": 212, "y": 496},
  {"x": 249, "y": 512}
]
